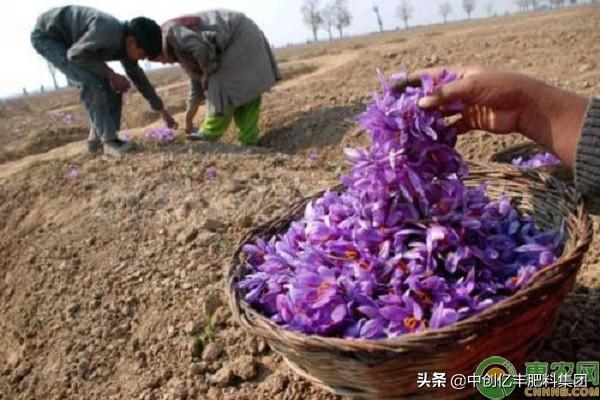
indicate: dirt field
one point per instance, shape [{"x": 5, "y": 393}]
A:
[{"x": 111, "y": 283}]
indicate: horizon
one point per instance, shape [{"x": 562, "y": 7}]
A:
[{"x": 29, "y": 70}]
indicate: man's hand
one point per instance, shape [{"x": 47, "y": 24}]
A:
[
  {"x": 494, "y": 101},
  {"x": 119, "y": 82},
  {"x": 504, "y": 102},
  {"x": 190, "y": 114},
  {"x": 168, "y": 119},
  {"x": 189, "y": 127}
]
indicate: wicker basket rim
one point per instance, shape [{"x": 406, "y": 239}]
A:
[{"x": 539, "y": 281}]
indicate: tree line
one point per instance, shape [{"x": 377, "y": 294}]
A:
[{"x": 336, "y": 13}]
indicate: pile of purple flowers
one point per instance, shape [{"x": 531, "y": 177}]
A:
[
  {"x": 538, "y": 160},
  {"x": 161, "y": 135},
  {"x": 407, "y": 247}
]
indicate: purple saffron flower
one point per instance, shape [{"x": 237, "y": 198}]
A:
[
  {"x": 314, "y": 289},
  {"x": 210, "y": 174},
  {"x": 74, "y": 172},
  {"x": 68, "y": 118},
  {"x": 537, "y": 161},
  {"x": 442, "y": 316},
  {"x": 161, "y": 135}
]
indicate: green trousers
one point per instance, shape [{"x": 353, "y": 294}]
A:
[{"x": 246, "y": 119}]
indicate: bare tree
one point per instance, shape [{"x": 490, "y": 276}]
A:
[
  {"x": 311, "y": 16},
  {"x": 328, "y": 19},
  {"x": 522, "y": 4},
  {"x": 52, "y": 71},
  {"x": 468, "y": 6},
  {"x": 533, "y": 4},
  {"x": 342, "y": 16},
  {"x": 489, "y": 8},
  {"x": 379, "y": 20},
  {"x": 404, "y": 12},
  {"x": 445, "y": 9}
]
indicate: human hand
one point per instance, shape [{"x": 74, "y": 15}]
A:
[
  {"x": 168, "y": 119},
  {"x": 494, "y": 101},
  {"x": 190, "y": 113},
  {"x": 119, "y": 82},
  {"x": 189, "y": 127},
  {"x": 504, "y": 102}
]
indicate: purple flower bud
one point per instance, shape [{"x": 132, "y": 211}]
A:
[
  {"x": 161, "y": 135},
  {"x": 537, "y": 161},
  {"x": 210, "y": 174},
  {"x": 74, "y": 172}
]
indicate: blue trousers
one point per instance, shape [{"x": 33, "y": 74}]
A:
[{"x": 102, "y": 102}]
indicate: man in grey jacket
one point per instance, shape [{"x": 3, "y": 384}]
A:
[
  {"x": 230, "y": 64},
  {"x": 79, "y": 41}
]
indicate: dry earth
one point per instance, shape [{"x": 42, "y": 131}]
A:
[{"x": 111, "y": 283}]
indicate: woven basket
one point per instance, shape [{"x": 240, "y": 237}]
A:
[
  {"x": 388, "y": 369},
  {"x": 528, "y": 150}
]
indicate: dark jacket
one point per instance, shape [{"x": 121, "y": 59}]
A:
[{"x": 94, "y": 38}]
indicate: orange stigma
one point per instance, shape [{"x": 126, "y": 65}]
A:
[
  {"x": 352, "y": 254},
  {"x": 402, "y": 267},
  {"x": 411, "y": 323}
]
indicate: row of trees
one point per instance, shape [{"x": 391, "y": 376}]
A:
[
  {"x": 336, "y": 14},
  {"x": 333, "y": 15},
  {"x": 405, "y": 9},
  {"x": 526, "y": 5}
]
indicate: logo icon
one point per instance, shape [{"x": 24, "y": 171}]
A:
[{"x": 496, "y": 378}]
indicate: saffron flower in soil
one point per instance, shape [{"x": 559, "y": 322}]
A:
[
  {"x": 537, "y": 161},
  {"x": 406, "y": 247},
  {"x": 74, "y": 172},
  {"x": 161, "y": 135},
  {"x": 210, "y": 174}
]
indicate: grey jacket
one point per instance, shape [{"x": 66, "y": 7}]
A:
[
  {"x": 226, "y": 49},
  {"x": 587, "y": 160},
  {"x": 94, "y": 38}
]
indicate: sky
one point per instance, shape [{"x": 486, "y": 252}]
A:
[{"x": 279, "y": 19}]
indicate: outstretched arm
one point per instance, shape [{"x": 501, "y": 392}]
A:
[
  {"x": 564, "y": 122},
  {"x": 195, "y": 98}
]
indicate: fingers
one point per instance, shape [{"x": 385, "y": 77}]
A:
[
  {"x": 459, "y": 90},
  {"x": 414, "y": 78},
  {"x": 458, "y": 70},
  {"x": 435, "y": 71},
  {"x": 477, "y": 118},
  {"x": 170, "y": 121},
  {"x": 400, "y": 85},
  {"x": 461, "y": 126}
]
